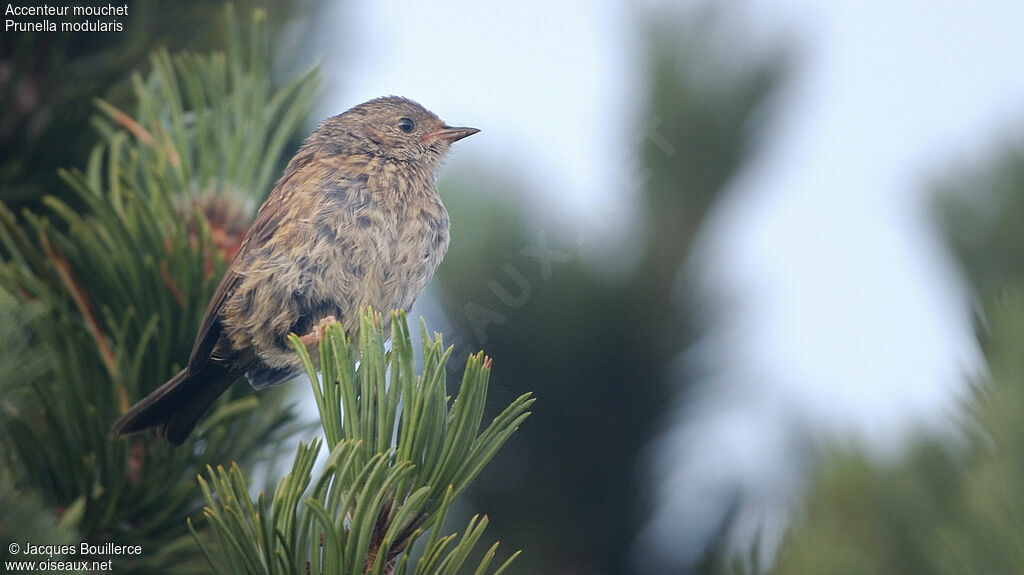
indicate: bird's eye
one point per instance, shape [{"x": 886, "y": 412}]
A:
[{"x": 405, "y": 125}]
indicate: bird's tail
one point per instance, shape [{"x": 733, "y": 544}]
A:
[{"x": 177, "y": 406}]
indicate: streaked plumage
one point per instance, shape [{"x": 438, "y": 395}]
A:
[{"x": 354, "y": 221}]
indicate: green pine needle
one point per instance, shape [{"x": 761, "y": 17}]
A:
[{"x": 373, "y": 499}]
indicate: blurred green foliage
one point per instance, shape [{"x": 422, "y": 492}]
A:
[
  {"x": 596, "y": 350},
  {"x": 981, "y": 209}
]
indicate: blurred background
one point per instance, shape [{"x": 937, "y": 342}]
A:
[{"x": 760, "y": 262}]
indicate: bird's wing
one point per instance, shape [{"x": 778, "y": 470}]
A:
[
  {"x": 210, "y": 328},
  {"x": 267, "y": 222}
]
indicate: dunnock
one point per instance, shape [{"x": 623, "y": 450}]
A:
[{"x": 354, "y": 221}]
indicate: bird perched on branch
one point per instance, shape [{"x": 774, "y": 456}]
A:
[{"x": 355, "y": 221}]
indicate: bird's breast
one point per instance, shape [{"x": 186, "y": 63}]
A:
[{"x": 375, "y": 253}]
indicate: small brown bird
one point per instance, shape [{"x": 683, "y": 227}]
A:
[{"x": 354, "y": 221}]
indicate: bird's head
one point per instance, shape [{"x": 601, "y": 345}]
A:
[{"x": 390, "y": 127}]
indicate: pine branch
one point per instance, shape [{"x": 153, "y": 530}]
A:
[
  {"x": 399, "y": 454},
  {"x": 122, "y": 272}
]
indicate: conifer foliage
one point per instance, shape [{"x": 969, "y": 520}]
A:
[
  {"x": 117, "y": 275},
  {"x": 101, "y": 294}
]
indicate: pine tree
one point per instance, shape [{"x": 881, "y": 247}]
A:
[
  {"x": 100, "y": 304},
  {"x": 117, "y": 285}
]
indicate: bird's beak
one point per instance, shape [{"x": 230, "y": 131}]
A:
[{"x": 450, "y": 133}]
